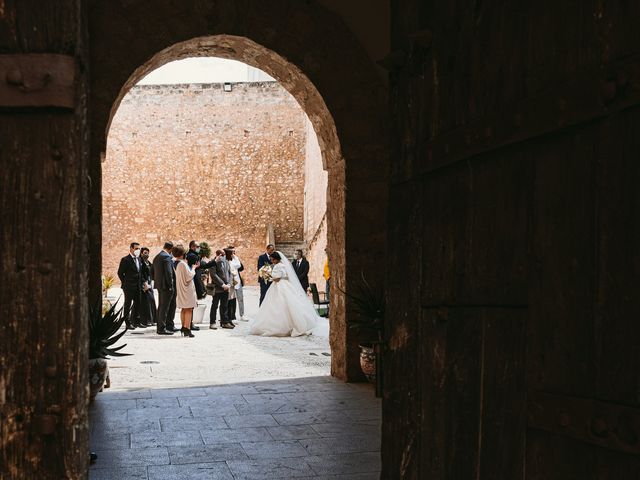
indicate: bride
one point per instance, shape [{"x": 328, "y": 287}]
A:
[{"x": 286, "y": 309}]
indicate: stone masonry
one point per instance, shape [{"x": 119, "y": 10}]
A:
[
  {"x": 194, "y": 161},
  {"x": 315, "y": 207}
]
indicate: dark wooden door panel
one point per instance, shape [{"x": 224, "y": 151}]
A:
[
  {"x": 399, "y": 416},
  {"x": 520, "y": 121},
  {"x": 554, "y": 457},
  {"x": 475, "y": 392},
  {"x": 560, "y": 341},
  {"x": 617, "y": 299},
  {"x": 476, "y": 235}
]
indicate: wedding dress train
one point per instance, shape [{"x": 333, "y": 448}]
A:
[{"x": 286, "y": 310}]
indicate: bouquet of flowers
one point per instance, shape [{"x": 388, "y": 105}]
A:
[{"x": 265, "y": 273}]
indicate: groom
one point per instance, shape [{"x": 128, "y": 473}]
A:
[{"x": 263, "y": 260}]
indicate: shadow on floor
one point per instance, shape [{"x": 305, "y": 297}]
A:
[{"x": 307, "y": 428}]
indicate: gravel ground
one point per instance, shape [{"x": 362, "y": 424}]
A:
[{"x": 215, "y": 356}]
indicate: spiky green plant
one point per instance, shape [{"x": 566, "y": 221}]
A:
[
  {"x": 103, "y": 330},
  {"x": 369, "y": 304}
]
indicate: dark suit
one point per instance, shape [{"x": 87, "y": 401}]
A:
[
  {"x": 302, "y": 271},
  {"x": 147, "y": 300},
  {"x": 221, "y": 275},
  {"x": 164, "y": 282},
  {"x": 129, "y": 275},
  {"x": 263, "y": 260},
  {"x": 192, "y": 259}
]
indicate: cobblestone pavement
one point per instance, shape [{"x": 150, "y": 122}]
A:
[{"x": 226, "y": 405}]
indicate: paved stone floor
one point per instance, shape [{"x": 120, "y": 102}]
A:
[{"x": 226, "y": 405}]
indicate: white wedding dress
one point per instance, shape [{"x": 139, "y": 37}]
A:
[{"x": 286, "y": 310}]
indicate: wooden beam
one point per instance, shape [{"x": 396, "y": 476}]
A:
[{"x": 37, "y": 80}]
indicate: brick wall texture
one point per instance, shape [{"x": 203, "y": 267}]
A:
[{"x": 196, "y": 162}]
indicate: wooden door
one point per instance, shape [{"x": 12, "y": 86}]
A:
[
  {"x": 515, "y": 352},
  {"x": 43, "y": 192}
]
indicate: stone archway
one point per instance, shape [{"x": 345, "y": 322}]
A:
[{"x": 312, "y": 54}]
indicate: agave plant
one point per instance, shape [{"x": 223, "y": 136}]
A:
[
  {"x": 103, "y": 334},
  {"x": 368, "y": 302}
]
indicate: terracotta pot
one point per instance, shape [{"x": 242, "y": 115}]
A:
[
  {"x": 368, "y": 361},
  {"x": 98, "y": 374}
]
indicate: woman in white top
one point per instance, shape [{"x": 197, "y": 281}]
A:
[
  {"x": 236, "y": 268},
  {"x": 286, "y": 309},
  {"x": 186, "y": 298}
]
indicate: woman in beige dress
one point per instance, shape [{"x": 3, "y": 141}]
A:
[{"x": 186, "y": 298}]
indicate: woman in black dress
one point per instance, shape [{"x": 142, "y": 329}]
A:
[{"x": 147, "y": 300}]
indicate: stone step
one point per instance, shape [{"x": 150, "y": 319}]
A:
[{"x": 289, "y": 248}]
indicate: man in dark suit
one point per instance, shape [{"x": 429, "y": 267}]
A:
[
  {"x": 222, "y": 280},
  {"x": 129, "y": 275},
  {"x": 263, "y": 260},
  {"x": 164, "y": 282},
  {"x": 301, "y": 266},
  {"x": 193, "y": 257}
]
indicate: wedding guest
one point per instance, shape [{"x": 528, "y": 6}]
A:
[
  {"x": 263, "y": 260},
  {"x": 327, "y": 274},
  {"x": 164, "y": 282},
  {"x": 129, "y": 275},
  {"x": 171, "y": 314},
  {"x": 236, "y": 268},
  {"x": 301, "y": 267},
  {"x": 205, "y": 258},
  {"x": 186, "y": 298},
  {"x": 222, "y": 284},
  {"x": 228, "y": 254},
  {"x": 210, "y": 265},
  {"x": 147, "y": 300},
  {"x": 193, "y": 257}
]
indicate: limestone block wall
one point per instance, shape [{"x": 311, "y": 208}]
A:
[
  {"x": 315, "y": 207},
  {"x": 196, "y": 162},
  {"x": 316, "y": 256}
]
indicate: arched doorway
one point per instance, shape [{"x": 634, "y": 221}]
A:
[
  {"x": 200, "y": 150},
  {"x": 344, "y": 101}
]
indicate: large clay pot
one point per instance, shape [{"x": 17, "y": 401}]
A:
[
  {"x": 98, "y": 374},
  {"x": 368, "y": 361}
]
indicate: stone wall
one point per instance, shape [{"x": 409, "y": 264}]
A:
[
  {"x": 315, "y": 207},
  {"x": 196, "y": 162},
  {"x": 317, "y": 256}
]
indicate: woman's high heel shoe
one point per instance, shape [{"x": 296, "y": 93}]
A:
[{"x": 186, "y": 332}]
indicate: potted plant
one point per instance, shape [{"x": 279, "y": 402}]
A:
[
  {"x": 205, "y": 250},
  {"x": 369, "y": 304},
  {"x": 103, "y": 334},
  {"x": 108, "y": 281}
]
